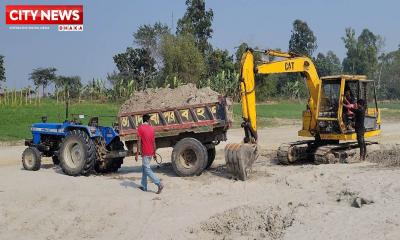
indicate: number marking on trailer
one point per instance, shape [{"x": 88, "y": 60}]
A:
[
  {"x": 154, "y": 118},
  {"x": 170, "y": 117},
  {"x": 185, "y": 115},
  {"x": 124, "y": 122}
]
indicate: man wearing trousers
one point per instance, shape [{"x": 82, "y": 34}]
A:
[
  {"x": 147, "y": 146},
  {"x": 359, "y": 112}
]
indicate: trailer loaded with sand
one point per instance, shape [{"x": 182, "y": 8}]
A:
[{"x": 190, "y": 120}]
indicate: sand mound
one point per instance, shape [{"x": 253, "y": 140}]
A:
[
  {"x": 353, "y": 198},
  {"x": 160, "y": 98},
  {"x": 388, "y": 156},
  {"x": 249, "y": 222}
]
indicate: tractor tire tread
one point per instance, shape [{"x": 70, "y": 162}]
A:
[
  {"x": 37, "y": 161},
  {"x": 90, "y": 157}
]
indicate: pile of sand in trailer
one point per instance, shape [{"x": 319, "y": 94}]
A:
[
  {"x": 160, "y": 98},
  {"x": 388, "y": 155}
]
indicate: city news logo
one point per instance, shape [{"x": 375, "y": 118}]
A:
[{"x": 67, "y": 17}]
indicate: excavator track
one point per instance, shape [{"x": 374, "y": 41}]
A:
[
  {"x": 339, "y": 153},
  {"x": 320, "y": 154},
  {"x": 293, "y": 152},
  {"x": 330, "y": 154}
]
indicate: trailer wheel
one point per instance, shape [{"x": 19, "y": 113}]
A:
[
  {"x": 77, "y": 154},
  {"x": 211, "y": 156},
  {"x": 31, "y": 159},
  {"x": 189, "y": 157}
]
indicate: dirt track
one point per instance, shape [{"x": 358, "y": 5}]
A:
[{"x": 295, "y": 202}]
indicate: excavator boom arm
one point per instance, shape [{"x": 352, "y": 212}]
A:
[
  {"x": 291, "y": 63},
  {"x": 248, "y": 97},
  {"x": 302, "y": 65}
]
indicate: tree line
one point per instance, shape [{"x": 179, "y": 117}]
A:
[{"x": 163, "y": 57}]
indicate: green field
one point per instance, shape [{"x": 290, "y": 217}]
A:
[
  {"x": 286, "y": 110},
  {"x": 15, "y": 122},
  {"x": 390, "y": 111}
]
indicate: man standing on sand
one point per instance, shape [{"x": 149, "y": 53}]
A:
[
  {"x": 359, "y": 115},
  {"x": 147, "y": 146}
]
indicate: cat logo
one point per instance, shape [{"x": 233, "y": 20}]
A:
[{"x": 289, "y": 65}]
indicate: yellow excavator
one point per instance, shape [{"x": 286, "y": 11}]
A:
[{"x": 325, "y": 118}]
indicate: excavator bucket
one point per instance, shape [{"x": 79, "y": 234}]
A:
[{"x": 239, "y": 158}]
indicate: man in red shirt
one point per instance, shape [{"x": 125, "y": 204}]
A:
[{"x": 147, "y": 146}]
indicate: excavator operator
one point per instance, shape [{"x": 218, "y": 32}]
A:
[{"x": 348, "y": 106}]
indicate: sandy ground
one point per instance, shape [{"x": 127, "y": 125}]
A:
[{"x": 278, "y": 202}]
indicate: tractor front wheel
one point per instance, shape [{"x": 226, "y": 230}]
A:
[{"x": 31, "y": 159}]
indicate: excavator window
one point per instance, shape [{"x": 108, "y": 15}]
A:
[
  {"x": 354, "y": 89},
  {"x": 367, "y": 92},
  {"x": 329, "y": 100}
]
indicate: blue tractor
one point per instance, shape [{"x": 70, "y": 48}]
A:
[{"x": 79, "y": 149}]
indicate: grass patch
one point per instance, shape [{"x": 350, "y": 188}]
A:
[
  {"x": 275, "y": 114},
  {"x": 16, "y": 121},
  {"x": 390, "y": 105},
  {"x": 272, "y": 114},
  {"x": 390, "y": 111},
  {"x": 287, "y": 110},
  {"x": 390, "y": 114}
]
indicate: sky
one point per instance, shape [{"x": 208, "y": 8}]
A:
[{"x": 109, "y": 25}]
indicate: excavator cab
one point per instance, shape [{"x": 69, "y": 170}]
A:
[
  {"x": 337, "y": 95},
  {"x": 333, "y": 129}
]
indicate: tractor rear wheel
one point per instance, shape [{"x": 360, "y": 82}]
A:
[
  {"x": 31, "y": 159},
  {"x": 56, "y": 160},
  {"x": 110, "y": 165},
  {"x": 189, "y": 157},
  {"x": 77, "y": 154}
]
